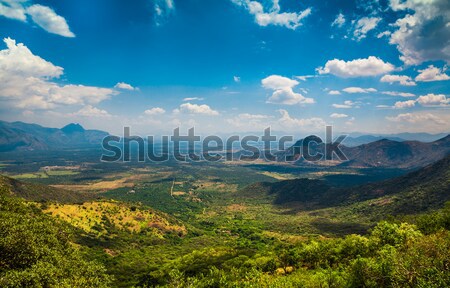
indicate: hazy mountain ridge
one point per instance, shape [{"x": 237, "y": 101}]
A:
[
  {"x": 383, "y": 153},
  {"x": 24, "y": 136}
]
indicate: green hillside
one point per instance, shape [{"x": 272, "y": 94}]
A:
[
  {"x": 37, "y": 251},
  {"x": 43, "y": 193}
]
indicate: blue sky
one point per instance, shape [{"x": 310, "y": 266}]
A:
[{"x": 227, "y": 65}]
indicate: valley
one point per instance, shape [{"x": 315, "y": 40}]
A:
[{"x": 169, "y": 223}]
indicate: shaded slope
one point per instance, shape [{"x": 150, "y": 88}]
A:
[
  {"x": 42, "y": 193},
  {"x": 424, "y": 189},
  {"x": 383, "y": 153}
]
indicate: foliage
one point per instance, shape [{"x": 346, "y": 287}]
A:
[{"x": 35, "y": 250}]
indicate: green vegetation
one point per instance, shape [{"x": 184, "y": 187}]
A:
[
  {"x": 220, "y": 225},
  {"x": 36, "y": 250}
]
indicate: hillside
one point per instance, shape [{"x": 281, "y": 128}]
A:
[
  {"x": 37, "y": 250},
  {"x": 24, "y": 136},
  {"x": 421, "y": 190},
  {"x": 42, "y": 193},
  {"x": 383, "y": 153}
]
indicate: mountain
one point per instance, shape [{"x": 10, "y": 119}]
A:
[
  {"x": 24, "y": 136},
  {"x": 383, "y": 153},
  {"x": 365, "y": 139},
  {"x": 388, "y": 154},
  {"x": 422, "y": 137},
  {"x": 421, "y": 190}
]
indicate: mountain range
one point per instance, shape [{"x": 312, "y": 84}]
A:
[
  {"x": 383, "y": 153},
  {"x": 424, "y": 189},
  {"x": 24, "y": 136}
]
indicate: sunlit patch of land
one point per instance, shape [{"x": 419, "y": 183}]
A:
[{"x": 93, "y": 217}]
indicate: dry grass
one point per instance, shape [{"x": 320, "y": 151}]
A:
[{"x": 94, "y": 216}]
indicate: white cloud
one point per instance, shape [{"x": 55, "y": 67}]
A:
[
  {"x": 125, "y": 86},
  {"x": 26, "y": 81},
  {"x": 313, "y": 123},
  {"x": 44, "y": 16},
  {"x": 432, "y": 74},
  {"x": 423, "y": 33},
  {"x": 371, "y": 66},
  {"x": 273, "y": 16},
  {"x": 334, "y": 92},
  {"x": 416, "y": 118},
  {"x": 383, "y": 34},
  {"x": 347, "y": 105},
  {"x": 353, "y": 90},
  {"x": 154, "y": 111},
  {"x": 13, "y": 9},
  {"x": 363, "y": 26},
  {"x": 18, "y": 60},
  {"x": 433, "y": 100},
  {"x": 77, "y": 94},
  {"x": 401, "y": 94},
  {"x": 339, "y": 21},
  {"x": 338, "y": 115},
  {"x": 236, "y": 79},
  {"x": 246, "y": 120},
  {"x": 401, "y": 79},
  {"x": 163, "y": 9},
  {"x": 193, "y": 99},
  {"x": 48, "y": 20},
  {"x": 276, "y": 82},
  {"x": 90, "y": 111},
  {"x": 283, "y": 91},
  {"x": 404, "y": 104},
  {"x": 196, "y": 109},
  {"x": 305, "y": 77}
]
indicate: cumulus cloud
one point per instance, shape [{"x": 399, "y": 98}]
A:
[
  {"x": 27, "y": 81},
  {"x": 44, "y": 16},
  {"x": 384, "y": 34},
  {"x": 236, "y": 79},
  {"x": 273, "y": 15},
  {"x": 401, "y": 94},
  {"x": 433, "y": 100},
  {"x": 423, "y": 32},
  {"x": 363, "y": 26},
  {"x": 154, "y": 111},
  {"x": 432, "y": 74},
  {"x": 404, "y": 104},
  {"x": 353, "y": 90},
  {"x": 339, "y": 21},
  {"x": 48, "y": 20},
  {"x": 283, "y": 92},
  {"x": 401, "y": 79},
  {"x": 125, "y": 86},
  {"x": 314, "y": 123},
  {"x": 338, "y": 115},
  {"x": 371, "y": 66},
  {"x": 347, "y": 105},
  {"x": 196, "y": 109},
  {"x": 90, "y": 111},
  {"x": 13, "y": 9},
  {"x": 334, "y": 92}
]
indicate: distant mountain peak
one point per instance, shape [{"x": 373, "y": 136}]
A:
[{"x": 72, "y": 127}]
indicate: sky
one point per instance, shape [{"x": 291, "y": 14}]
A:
[{"x": 227, "y": 66}]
